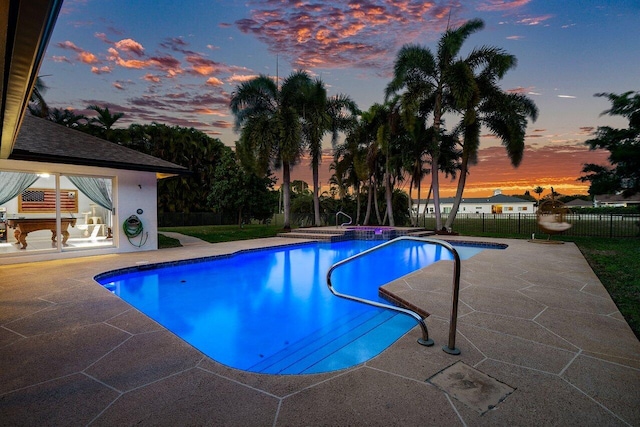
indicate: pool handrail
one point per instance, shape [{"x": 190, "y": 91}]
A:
[
  {"x": 345, "y": 223},
  {"x": 425, "y": 340}
]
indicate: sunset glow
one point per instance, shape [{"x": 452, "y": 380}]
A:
[{"x": 178, "y": 63}]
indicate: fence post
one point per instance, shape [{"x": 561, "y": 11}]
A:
[
  {"x": 483, "y": 222},
  {"x": 610, "y": 225}
]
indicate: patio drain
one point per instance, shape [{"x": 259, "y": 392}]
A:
[{"x": 475, "y": 389}]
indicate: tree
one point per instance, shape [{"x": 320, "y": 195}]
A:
[
  {"x": 504, "y": 114},
  {"x": 104, "y": 121},
  {"x": 187, "y": 147},
  {"x": 437, "y": 84},
  {"x": 235, "y": 190},
  {"x": 538, "y": 190},
  {"x": 623, "y": 146},
  {"x": 270, "y": 127},
  {"x": 37, "y": 105},
  {"x": 322, "y": 115},
  {"x": 66, "y": 117}
]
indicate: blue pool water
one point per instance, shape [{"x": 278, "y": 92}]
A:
[{"x": 270, "y": 311}]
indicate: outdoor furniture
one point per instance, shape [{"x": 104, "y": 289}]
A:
[{"x": 24, "y": 226}]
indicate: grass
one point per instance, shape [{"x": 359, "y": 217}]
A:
[
  {"x": 614, "y": 260},
  {"x": 227, "y": 233}
]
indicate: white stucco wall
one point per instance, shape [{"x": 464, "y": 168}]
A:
[
  {"x": 468, "y": 208},
  {"x": 132, "y": 190}
]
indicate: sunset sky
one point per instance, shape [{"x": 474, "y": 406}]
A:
[{"x": 178, "y": 62}]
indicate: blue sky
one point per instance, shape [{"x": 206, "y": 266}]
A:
[{"x": 179, "y": 62}]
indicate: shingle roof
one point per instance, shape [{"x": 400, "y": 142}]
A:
[
  {"x": 613, "y": 198},
  {"x": 41, "y": 140}
]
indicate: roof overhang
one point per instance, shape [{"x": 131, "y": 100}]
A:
[{"x": 25, "y": 30}]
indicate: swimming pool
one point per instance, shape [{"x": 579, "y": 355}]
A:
[{"x": 270, "y": 310}]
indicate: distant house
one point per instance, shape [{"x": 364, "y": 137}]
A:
[
  {"x": 616, "y": 200},
  {"x": 496, "y": 204},
  {"x": 578, "y": 204}
]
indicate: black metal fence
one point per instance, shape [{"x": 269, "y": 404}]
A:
[{"x": 587, "y": 225}]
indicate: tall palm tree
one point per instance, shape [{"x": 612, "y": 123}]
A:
[
  {"x": 504, "y": 114},
  {"x": 270, "y": 127},
  {"x": 104, "y": 120},
  {"x": 438, "y": 84},
  {"x": 321, "y": 115},
  {"x": 538, "y": 190}
]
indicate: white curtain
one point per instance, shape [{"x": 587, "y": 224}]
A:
[{"x": 14, "y": 183}]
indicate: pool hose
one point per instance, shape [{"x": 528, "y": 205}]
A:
[{"x": 133, "y": 227}]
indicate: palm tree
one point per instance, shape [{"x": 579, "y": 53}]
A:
[
  {"x": 321, "y": 115},
  {"x": 538, "y": 190},
  {"x": 37, "y": 105},
  {"x": 66, "y": 117},
  {"x": 504, "y": 114},
  {"x": 271, "y": 127},
  {"x": 437, "y": 84},
  {"x": 105, "y": 120}
]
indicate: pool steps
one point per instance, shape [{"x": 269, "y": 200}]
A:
[
  {"x": 330, "y": 348},
  {"x": 337, "y": 234}
]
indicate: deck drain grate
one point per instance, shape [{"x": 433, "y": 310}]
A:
[{"x": 475, "y": 389}]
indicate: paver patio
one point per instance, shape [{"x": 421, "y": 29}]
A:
[{"x": 534, "y": 318}]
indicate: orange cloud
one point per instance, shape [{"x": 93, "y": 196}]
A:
[
  {"x": 88, "y": 58},
  {"x": 101, "y": 70},
  {"x": 214, "y": 81}
]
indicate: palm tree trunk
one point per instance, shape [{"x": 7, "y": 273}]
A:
[
  {"x": 316, "y": 197},
  {"x": 435, "y": 156},
  {"x": 462, "y": 180},
  {"x": 435, "y": 188},
  {"x": 418, "y": 205},
  {"x": 389, "y": 196},
  {"x": 357, "y": 203},
  {"x": 286, "y": 194},
  {"x": 367, "y": 215},
  {"x": 413, "y": 221},
  {"x": 375, "y": 202}
]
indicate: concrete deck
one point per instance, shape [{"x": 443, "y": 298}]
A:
[{"x": 534, "y": 320}]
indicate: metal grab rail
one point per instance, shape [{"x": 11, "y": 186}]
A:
[
  {"x": 346, "y": 223},
  {"x": 425, "y": 340}
]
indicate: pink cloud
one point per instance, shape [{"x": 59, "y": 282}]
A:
[
  {"x": 346, "y": 33},
  {"x": 61, "y": 59},
  {"x": 151, "y": 78},
  {"x": 534, "y": 20},
  {"x": 241, "y": 78},
  {"x": 498, "y": 5},
  {"x": 130, "y": 46},
  {"x": 69, "y": 45}
]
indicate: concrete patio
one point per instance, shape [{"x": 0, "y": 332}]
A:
[{"x": 534, "y": 320}]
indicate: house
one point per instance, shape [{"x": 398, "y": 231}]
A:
[
  {"x": 616, "y": 200},
  {"x": 578, "y": 204},
  {"x": 63, "y": 193},
  {"x": 496, "y": 204}
]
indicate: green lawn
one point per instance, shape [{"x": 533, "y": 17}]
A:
[
  {"x": 227, "y": 233},
  {"x": 614, "y": 260}
]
